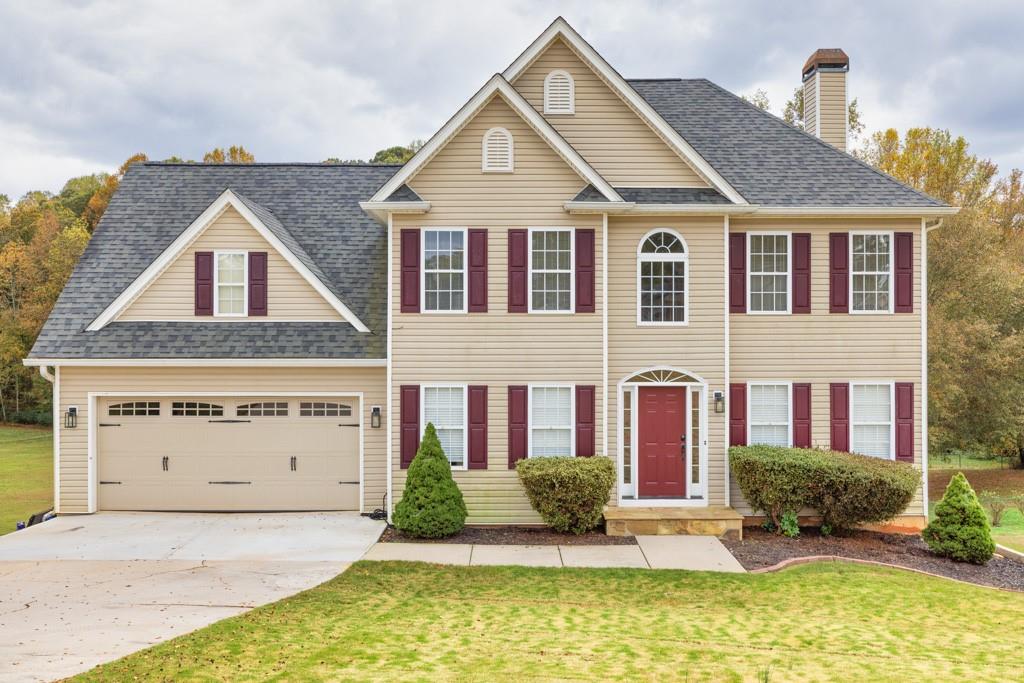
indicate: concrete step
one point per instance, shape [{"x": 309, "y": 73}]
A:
[{"x": 716, "y": 520}]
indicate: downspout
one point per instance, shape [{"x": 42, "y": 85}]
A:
[
  {"x": 925, "y": 229},
  {"x": 47, "y": 375}
]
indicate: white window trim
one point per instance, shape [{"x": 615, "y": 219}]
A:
[
  {"x": 892, "y": 415},
  {"x": 216, "y": 283},
  {"x": 572, "y": 93},
  {"x": 572, "y": 269},
  {"x": 789, "y": 271},
  {"x": 511, "y": 151},
  {"x": 892, "y": 269},
  {"x": 465, "y": 269},
  {"x": 465, "y": 418},
  {"x": 529, "y": 417},
  {"x": 684, "y": 259},
  {"x": 789, "y": 402}
]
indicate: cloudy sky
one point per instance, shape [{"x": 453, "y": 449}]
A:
[{"x": 83, "y": 85}]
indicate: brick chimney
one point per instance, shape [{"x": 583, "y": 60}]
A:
[{"x": 824, "y": 77}]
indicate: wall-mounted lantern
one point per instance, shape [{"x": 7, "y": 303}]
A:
[
  {"x": 375, "y": 417},
  {"x": 719, "y": 401},
  {"x": 71, "y": 417}
]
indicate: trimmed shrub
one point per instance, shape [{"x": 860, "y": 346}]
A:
[
  {"x": 32, "y": 417},
  {"x": 432, "y": 504},
  {"x": 960, "y": 529},
  {"x": 844, "y": 488},
  {"x": 569, "y": 493}
]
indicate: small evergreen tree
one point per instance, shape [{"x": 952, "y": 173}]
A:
[
  {"x": 432, "y": 504},
  {"x": 960, "y": 530}
]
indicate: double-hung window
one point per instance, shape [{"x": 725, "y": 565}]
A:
[
  {"x": 770, "y": 412},
  {"x": 871, "y": 419},
  {"x": 871, "y": 272},
  {"x": 551, "y": 261},
  {"x": 229, "y": 275},
  {"x": 769, "y": 272},
  {"x": 444, "y": 270},
  {"x": 551, "y": 421},
  {"x": 445, "y": 407}
]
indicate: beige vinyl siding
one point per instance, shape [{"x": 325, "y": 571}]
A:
[
  {"x": 811, "y": 105},
  {"x": 698, "y": 347},
  {"x": 496, "y": 348},
  {"x": 823, "y": 347},
  {"x": 832, "y": 93},
  {"x": 620, "y": 145},
  {"x": 77, "y": 383},
  {"x": 171, "y": 296}
]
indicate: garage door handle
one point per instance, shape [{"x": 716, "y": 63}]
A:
[
  {"x": 229, "y": 482},
  {"x": 165, "y": 462},
  {"x": 110, "y": 482},
  {"x": 229, "y": 421},
  {"x": 110, "y": 424},
  {"x": 295, "y": 462},
  {"x": 355, "y": 425},
  {"x": 348, "y": 482}
]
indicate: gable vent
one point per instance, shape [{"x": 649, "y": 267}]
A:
[
  {"x": 497, "y": 152},
  {"x": 559, "y": 93}
]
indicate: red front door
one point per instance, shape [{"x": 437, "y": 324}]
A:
[{"x": 661, "y": 435}]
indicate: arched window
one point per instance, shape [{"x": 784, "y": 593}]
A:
[
  {"x": 497, "y": 151},
  {"x": 559, "y": 93},
  {"x": 661, "y": 279}
]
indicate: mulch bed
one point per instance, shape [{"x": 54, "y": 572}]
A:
[
  {"x": 513, "y": 535},
  {"x": 997, "y": 480},
  {"x": 760, "y": 549}
]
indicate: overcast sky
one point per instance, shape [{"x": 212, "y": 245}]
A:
[{"x": 83, "y": 85}]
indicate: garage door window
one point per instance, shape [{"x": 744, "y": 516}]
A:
[
  {"x": 324, "y": 409},
  {"x": 263, "y": 409},
  {"x": 134, "y": 408},
  {"x": 196, "y": 409}
]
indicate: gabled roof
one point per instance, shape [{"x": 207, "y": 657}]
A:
[
  {"x": 560, "y": 28},
  {"x": 496, "y": 85}
]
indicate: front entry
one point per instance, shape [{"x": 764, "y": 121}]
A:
[{"x": 661, "y": 441}]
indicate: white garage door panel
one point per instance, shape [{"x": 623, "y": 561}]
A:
[{"x": 229, "y": 461}]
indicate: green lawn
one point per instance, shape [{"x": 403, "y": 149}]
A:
[
  {"x": 425, "y": 622},
  {"x": 966, "y": 462},
  {"x": 26, "y": 474}
]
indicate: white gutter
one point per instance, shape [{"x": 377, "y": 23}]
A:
[
  {"x": 938, "y": 224},
  {"x": 208, "y": 362},
  {"x": 45, "y": 372},
  {"x": 756, "y": 210},
  {"x": 881, "y": 211},
  {"x": 396, "y": 207}
]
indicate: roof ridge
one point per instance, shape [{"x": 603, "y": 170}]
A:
[{"x": 325, "y": 164}]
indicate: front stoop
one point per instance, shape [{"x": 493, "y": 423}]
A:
[{"x": 720, "y": 521}]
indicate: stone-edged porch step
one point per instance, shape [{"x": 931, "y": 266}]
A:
[{"x": 715, "y": 520}]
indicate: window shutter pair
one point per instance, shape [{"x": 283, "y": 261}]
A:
[
  {"x": 257, "y": 283},
  {"x": 839, "y": 272},
  {"x": 409, "y": 425},
  {"x": 519, "y": 276},
  {"x": 518, "y": 422},
  {"x": 839, "y": 404},
  {"x": 800, "y": 272},
  {"x": 409, "y": 270},
  {"x": 801, "y": 399}
]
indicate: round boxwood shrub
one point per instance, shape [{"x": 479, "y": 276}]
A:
[
  {"x": 960, "y": 529},
  {"x": 432, "y": 504},
  {"x": 844, "y": 488},
  {"x": 569, "y": 493}
]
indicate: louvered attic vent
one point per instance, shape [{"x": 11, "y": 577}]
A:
[
  {"x": 559, "y": 93},
  {"x": 497, "y": 152}
]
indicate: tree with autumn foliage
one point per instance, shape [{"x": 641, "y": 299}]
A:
[{"x": 235, "y": 154}]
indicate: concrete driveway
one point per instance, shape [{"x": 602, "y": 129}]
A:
[{"x": 79, "y": 591}]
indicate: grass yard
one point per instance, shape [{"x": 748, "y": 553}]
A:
[
  {"x": 425, "y": 622},
  {"x": 26, "y": 473}
]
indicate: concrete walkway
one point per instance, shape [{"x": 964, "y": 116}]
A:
[{"x": 697, "y": 553}]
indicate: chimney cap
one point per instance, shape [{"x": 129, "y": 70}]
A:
[{"x": 826, "y": 58}]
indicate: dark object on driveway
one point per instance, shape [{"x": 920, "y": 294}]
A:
[{"x": 39, "y": 517}]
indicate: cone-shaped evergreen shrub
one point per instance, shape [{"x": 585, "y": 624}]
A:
[
  {"x": 431, "y": 505},
  {"x": 960, "y": 530}
]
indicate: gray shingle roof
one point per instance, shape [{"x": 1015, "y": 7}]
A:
[
  {"x": 312, "y": 207},
  {"x": 404, "y": 194},
  {"x": 657, "y": 195},
  {"x": 765, "y": 159}
]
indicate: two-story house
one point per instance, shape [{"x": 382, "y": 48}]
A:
[{"x": 574, "y": 264}]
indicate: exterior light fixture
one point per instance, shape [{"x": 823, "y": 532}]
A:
[
  {"x": 71, "y": 417},
  {"x": 375, "y": 417},
  {"x": 719, "y": 401}
]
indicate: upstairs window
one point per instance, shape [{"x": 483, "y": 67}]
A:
[
  {"x": 497, "y": 151},
  {"x": 559, "y": 93},
  {"x": 871, "y": 272},
  {"x": 768, "y": 272},
  {"x": 444, "y": 271},
  {"x": 551, "y": 270},
  {"x": 229, "y": 278},
  {"x": 661, "y": 279}
]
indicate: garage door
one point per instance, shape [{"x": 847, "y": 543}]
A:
[{"x": 212, "y": 453}]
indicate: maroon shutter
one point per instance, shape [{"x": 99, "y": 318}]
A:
[
  {"x": 802, "y": 415},
  {"x": 478, "y": 427},
  {"x": 839, "y": 272},
  {"x": 517, "y": 267},
  {"x": 204, "y": 283},
  {"x": 905, "y": 421},
  {"x": 737, "y": 414},
  {"x": 585, "y": 421},
  {"x": 477, "y": 271},
  {"x": 517, "y": 425},
  {"x": 737, "y": 272},
  {"x": 839, "y": 405},
  {"x": 585, "y": 271},
  {"x": 801, "y": 272},
  {"x": 904, "y": 257},
  {"x": 409, "y": 431},
  {"x": 410, "y": 270},
  {"x": 257, "y": 283}
]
